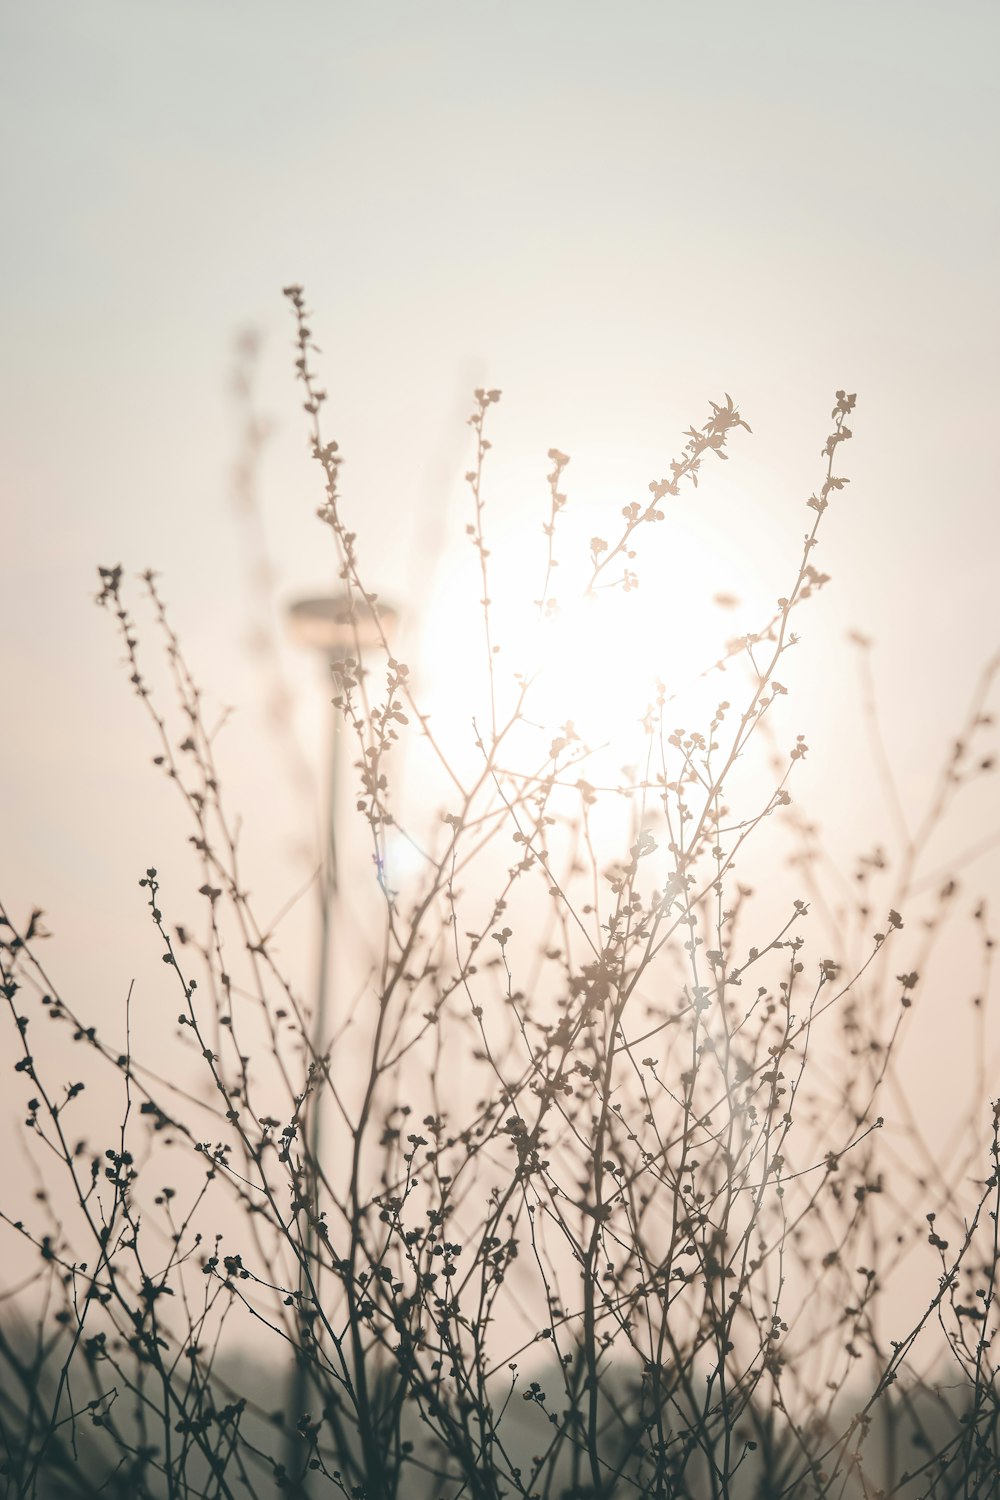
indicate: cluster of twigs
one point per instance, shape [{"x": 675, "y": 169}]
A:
[{"x": 608, "y": 1201}]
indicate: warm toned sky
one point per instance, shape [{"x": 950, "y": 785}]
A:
[{"x": 614, "y": 212}]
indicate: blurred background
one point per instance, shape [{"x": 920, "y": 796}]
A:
[{"x": 613, "y": 213}]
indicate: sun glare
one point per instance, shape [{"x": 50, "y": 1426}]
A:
[
  {"x": 601, "y": 661},
  {"x": 598, "y": 661}
]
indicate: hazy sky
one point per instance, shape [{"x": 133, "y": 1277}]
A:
[{"x": 613, "y": 211}]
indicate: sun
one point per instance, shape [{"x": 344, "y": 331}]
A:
[{"x": 599, "y": 658}]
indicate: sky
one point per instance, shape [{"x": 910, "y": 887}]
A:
[{"x": 615, "y": 213}]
